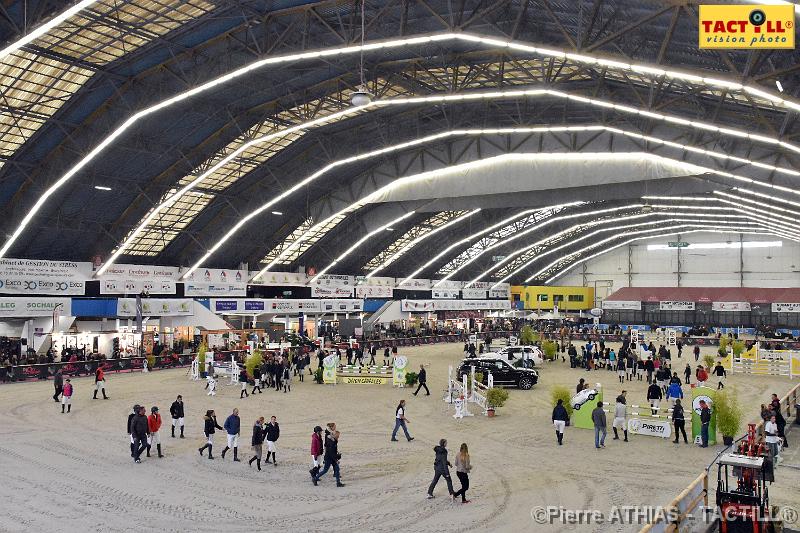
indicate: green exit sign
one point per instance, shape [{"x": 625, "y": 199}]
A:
[{"x": 676, "y": 244}]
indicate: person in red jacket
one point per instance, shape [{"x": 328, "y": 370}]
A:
[
  {"x": 316, "y": 453},
  {"x": 702, "y": 376},
  {"x": 100, "y": 383},
  {"x": 154, "y": 424}
]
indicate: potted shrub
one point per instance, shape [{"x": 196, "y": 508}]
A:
[
  {"x": 151, "y": 361},
  {"x": 708, "y": 361},
  {"x": 201, "y": 358},
  {"x": 527, "y": 336},
  {"x": 729, "y": 415},
  {"x": 318, "y": 376},
  {"x": 560, "y": 392},
  {"x": 495, "y": 397},
  {"x": 549, "y": 348},
  {"x": 738, "y": 348},
  {"x": 411, "y": 378},
  {"x": 253, "y": 360}
]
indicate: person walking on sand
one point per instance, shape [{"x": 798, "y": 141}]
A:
[
  {"x": 560, "y": 417},
  {"x": 273, "y": 432},
  {"x": 176, "y": 412},
  {"x": 654, "y": 396},
  {"x": 678, "y": 421},
  {"x": 99, "y": 383},
  {"x": 688, "y": 373},
  {"x": 139, "y": 430},
  {"x": 58, "y": 385},
  {"x": 441, "y": 468},
  {"x": 287, "y": 378},
  {"x": 705, "y": 420},
  {"x": 422, "y": 381},
  {"x": 154, "y": 425},
  {"x": 719, "y": 371},
  {"x": 620, "y": 417},
  {"x": 257, "y": 442},
  {"x": 463, "y": 467},
  {"x": 66, "y": 396},
  {"x": 400, "y": 421},
  {"x": 316, "y": 453},
  {"x": 211, "y": 426},
  {"x": 332, "y": 456},
  {"x": 132, "y": 414},
  {"x": 243, "y": 381},
  {"x": 256, "y": 380},
  {"x": 233, "y": 425},
  {"x": 599, "y": 420}
]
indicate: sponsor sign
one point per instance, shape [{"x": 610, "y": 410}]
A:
[
  {"x": 329, "y": 365},
  {"x": 342, "y": 306},
  {"x": 672, "y": 305},
  {"x": 30, "y": 307},
  {"x": 374, "y": 291},
  {"x": 453, "y": 305},
  {"x": 380, "y": 281},
  {"x": 707, "y": 394},
  {"x": 135, "y": 279},
  {"x": 652, "y": 428},
  {"x": 627, "y": 305},
  {"x": 371, "y": 380},
  {"x": 449, "y": 294},
  {"x": 133, "y": 286},
  {"x": 142, "y": 272},
  {"x": 156, "y": 307},
  {"x": 414, "y": 284},
  {"x": 399, "y": 371},
  {"x": 225, "y": 305},
  {"x": 214, "y": 289},
  {"x": 730, "y": 306},
  {"x": 474, "y": 294},
  {"x": 254, "y": 305},
  {"x": 778, "y": 307},
  {"x": 217, "y": 275},
  {"x": 28, "y": 276},
  {"x": 272, "y": 279},
  {"x": 280, "y": 306},
  {"x": 501, "y": 291},
  {"x": 746, "y": 26},
  {"x": 446, "y": 284},
  {"x": 331, "y": 291},
  {"x": 335, "y": 280}
]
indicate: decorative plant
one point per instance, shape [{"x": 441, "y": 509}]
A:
[
  {"x": 478, "y": 378},
  {"x": 151, "y": 361},
  {"x": 729, "y": 412},
  {"x": 708, "y": 360},
  {"x": 318, "y": 376},
  {"x": 738, "y": 348},
  {"x": 496, "y": 397},
  {"x": 201, "y": 354},
  {"x": 560, "y": 392},
  {"x": 550, "y": 348},
  {"x": 723, "y": 342},
  {"x": 411, "y": 378},
  {"x": 527, "y": 336},
  {"x": 253, "y": 360}
]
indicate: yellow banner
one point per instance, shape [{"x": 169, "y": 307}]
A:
[
  {"x": 371, "y": 380},
  {"x": 746, "y": 26}
]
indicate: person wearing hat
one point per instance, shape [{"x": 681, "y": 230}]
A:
[
  {"x": 316, "y": 453},
  {"x": 139, "y": 429},
  {"x": 134, "y": 411},
  {"x": 154, "y": 424},
  {"x": 211, "y": 425},
  {"x": 176, "y": 411},
  {"x": 66, "y": 396}
]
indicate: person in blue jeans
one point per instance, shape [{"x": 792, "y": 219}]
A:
[
  {"x": 705, "y": 421},
  {"x": 599, "y": 420},
  {"x": 332, "y": 457},
  {"x": 400, "y": 421}
]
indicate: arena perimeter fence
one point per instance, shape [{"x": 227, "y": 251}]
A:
[{"x": 689, "y": 501}]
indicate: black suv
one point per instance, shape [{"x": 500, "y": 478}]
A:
[{"x": 503, "y": 374}]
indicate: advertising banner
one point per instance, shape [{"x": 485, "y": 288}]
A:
[
  {"x": 27, "y": 276},
  {"x": 786, "y": 307},
  {"x": 331, "y": 291},
  {"x": 329, "y": 365},
  {"x": 707, "y": 394},
  {"x": 399, "y": 371},
  {"x": 335, "y": 280},
  {"x": 132, "y": 286},
  {"x": 135, "y": 279},
  {"x": 453, "y": 305},
  {"x": 363, "y": 380},
  {"x": 272, "y": 279},
  {"x": 446, "y": 284},
  {"x": 374, "y": 291},
  {"x": 448, "y": 294},
  {"x": 501, "y": 291},
  {"x": 626, "y": 305},
  {"x": 217, "y": 276},
  {"x": 281, "y": 306},
  {"x": 380, "y": 281},
  {"x": 414, "y": 284},
  {"x": 671, "y": 305},
  {"x": 651, "y": 428},
  {"x": 156, "y": 307},
  {"x": 746, "y": 26},
  {"x": 730, "y": 306},
  {"x": 474, "y": 294},
  {"x": 214, "y": 289},
  {"x": 31, "y": 307},
  {"x": 342, "y": 306}
]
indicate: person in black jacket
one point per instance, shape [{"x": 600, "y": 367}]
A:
[
  {"x": 210, "y": 428},
  {"x": 243, "y": 381},
  {"x": 131, "y": 416},
  {"x": 705, "y": 420},
  {"x": 139, "y": 430},
  {"x": 654, "y": 396},
  {"x": 176, "y": 412},
  {"x": 272, "y": 432},
  {"x": 441, "y": 468},
  {"x": 257, "y": 442},
  {"x": 422, "y": 381},
  {"x": 58, "y": 384},
  {"x": 256, "y": 380},
  {"x": 678, "y": 421},
  {"x": 332, "y": 457},
  {"x": 560, "y": 418}
]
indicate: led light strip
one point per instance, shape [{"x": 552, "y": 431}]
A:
[
  {"x": 359, "y": 242},
  {"x": 578, "y": 262},
  {"x": 418, "y": 240},
  {"x": 44, "y": 28},
  {"x": 786, "y": 232},
  {"x": 760, "y": 204},
  {"x": 729, "y": 229},
  {"x": 399, "y": 43}
]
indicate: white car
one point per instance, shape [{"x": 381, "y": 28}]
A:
[
  {"x": 532, "y": 355},
  {"x": 586, "y": 395}
]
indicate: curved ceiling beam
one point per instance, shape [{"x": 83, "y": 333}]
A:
[{"x": 656, "y": 72}]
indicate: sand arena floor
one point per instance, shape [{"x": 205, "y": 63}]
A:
[{"x": 73, "y": 472}]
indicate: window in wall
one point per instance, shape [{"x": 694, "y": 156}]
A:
[
  {"x": 575, "y": 297},
  {"x": 558, "y": 298},
  {"x": 541, "y": 298}
]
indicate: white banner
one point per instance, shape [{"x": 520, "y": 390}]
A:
[
  {"x": 730, "y": 306},
  {"x": 219, "y": 276},
  {"x": 473, "y": 294},
  {"x": 142, "y": 272},
  {"x": 277, "y": 279},
  {"x": 28, "y": 276},
  {"x": 627, "y": 305},
  {"x": 340, "y": 292},
  {"x": 453, "y": 305},
  {"x": 446, "y": 284},
  {"x": 335, "y": 280},
  {"x": 652, "y": 428},
  {"x": 342, "y": 306},
  {"x": 373, "y": 291},
  {"x": 501, "y": 291},
  {"x": 671, "y": 305},
  {"x": 379, "y": 281},
  {"x": 786, "y": 307},
  {"x": 30, "y": 307},
  {"x": 156, "y": 307},
  {"x": 283, "y": 306},
  {"x": 414, "y": 284},
  {"x": 447, "y": 294},
  {"x": 131, "y": 286},
  {"x": 214, "y": 289}
]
